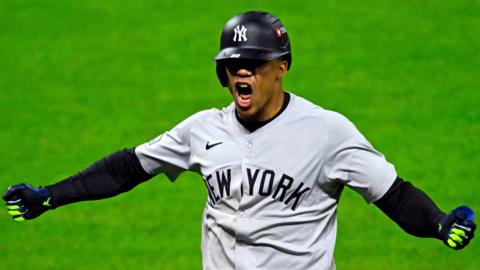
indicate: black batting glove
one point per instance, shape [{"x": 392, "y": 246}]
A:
[
  {"x": 27, "y": 202},
  {"x": 457, "y": 228}
]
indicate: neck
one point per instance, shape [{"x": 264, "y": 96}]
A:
[
  {"x": 255, "y": 124},
  {"x": 276, "y": 102}
]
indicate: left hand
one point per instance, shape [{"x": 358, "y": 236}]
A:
[{"x": 457, "y": 228}]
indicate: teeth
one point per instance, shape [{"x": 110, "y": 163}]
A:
[{"x": 243, "y": 89}]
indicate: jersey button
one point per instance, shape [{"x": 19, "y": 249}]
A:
[
  {"x": 246, "y": 160},
  {"x": 249, "y": 144},
  {"x": 242, "y": 214}
]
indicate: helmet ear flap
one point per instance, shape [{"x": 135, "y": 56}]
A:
[
  {"x": 222, "y": 73},
  {"x": 288, "y": 57}
]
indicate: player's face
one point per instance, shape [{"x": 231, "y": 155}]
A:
[{"x": 256, "y": 87}]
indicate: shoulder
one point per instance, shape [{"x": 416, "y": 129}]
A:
[
  {"x": 208, "y": 114},
  {"x": 205, "y": 118},
  {"x": 303, "y": 108},
  {"x": 336, "y": 128}
]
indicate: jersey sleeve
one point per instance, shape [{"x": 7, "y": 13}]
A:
[
  {"x": 169, "y": 153},
  {"x": 353, "y": 161}
]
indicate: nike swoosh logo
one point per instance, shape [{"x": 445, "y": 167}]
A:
[{"x": 208, "y": 146}]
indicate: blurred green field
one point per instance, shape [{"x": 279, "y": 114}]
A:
[{"x": 81, "y": 79}]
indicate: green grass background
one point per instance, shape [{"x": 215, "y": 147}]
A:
[{"x": 81, "y": 79}]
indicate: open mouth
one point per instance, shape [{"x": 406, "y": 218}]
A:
[{"x": 244, "y": 94}]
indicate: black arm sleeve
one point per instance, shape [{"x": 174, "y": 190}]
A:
[
  {"x": 110, "y": 176},
  {"x": 411, "y": 209}
]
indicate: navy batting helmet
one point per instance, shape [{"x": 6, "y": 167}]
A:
[{"x": 252, "y": 35}]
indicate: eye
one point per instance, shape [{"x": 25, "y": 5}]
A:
[{"x": 248, "y": 64}]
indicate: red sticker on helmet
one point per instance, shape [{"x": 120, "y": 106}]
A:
[{"x": 280, "y": 31}]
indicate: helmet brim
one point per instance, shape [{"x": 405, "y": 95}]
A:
[{"x": 249, "y": 52}]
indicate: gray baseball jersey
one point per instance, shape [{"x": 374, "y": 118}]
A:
[{"x": 272, "y": 193}]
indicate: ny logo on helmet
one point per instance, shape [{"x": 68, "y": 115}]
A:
[{"x": 240, "y": 33}]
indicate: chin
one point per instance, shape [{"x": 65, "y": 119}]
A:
[{"x": 246, "y": 113}]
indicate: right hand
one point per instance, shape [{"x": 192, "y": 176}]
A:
[{"x": 27, "y": 202}]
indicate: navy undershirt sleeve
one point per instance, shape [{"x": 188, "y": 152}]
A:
[
  {"x": 411, "y": 209},
  {"x": 110, "y": 176}
]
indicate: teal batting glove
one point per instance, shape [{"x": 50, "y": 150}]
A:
[
  {"x": 27, "y": 202},
  {"x": 457, "y": 228}
]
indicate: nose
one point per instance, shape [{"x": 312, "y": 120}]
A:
[{"x": 243, "y": 73}]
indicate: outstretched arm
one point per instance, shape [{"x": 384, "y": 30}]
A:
[
  {"x": 110, "y": 176},
  {"x": 418, "y": 215}
]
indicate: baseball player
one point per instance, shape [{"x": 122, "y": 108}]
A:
[{"x": 274, "y": 166}]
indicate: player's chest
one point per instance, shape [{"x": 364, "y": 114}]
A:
[
  {"x": 286, "y": 151},
  {"x": 279, "y": 168}
]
